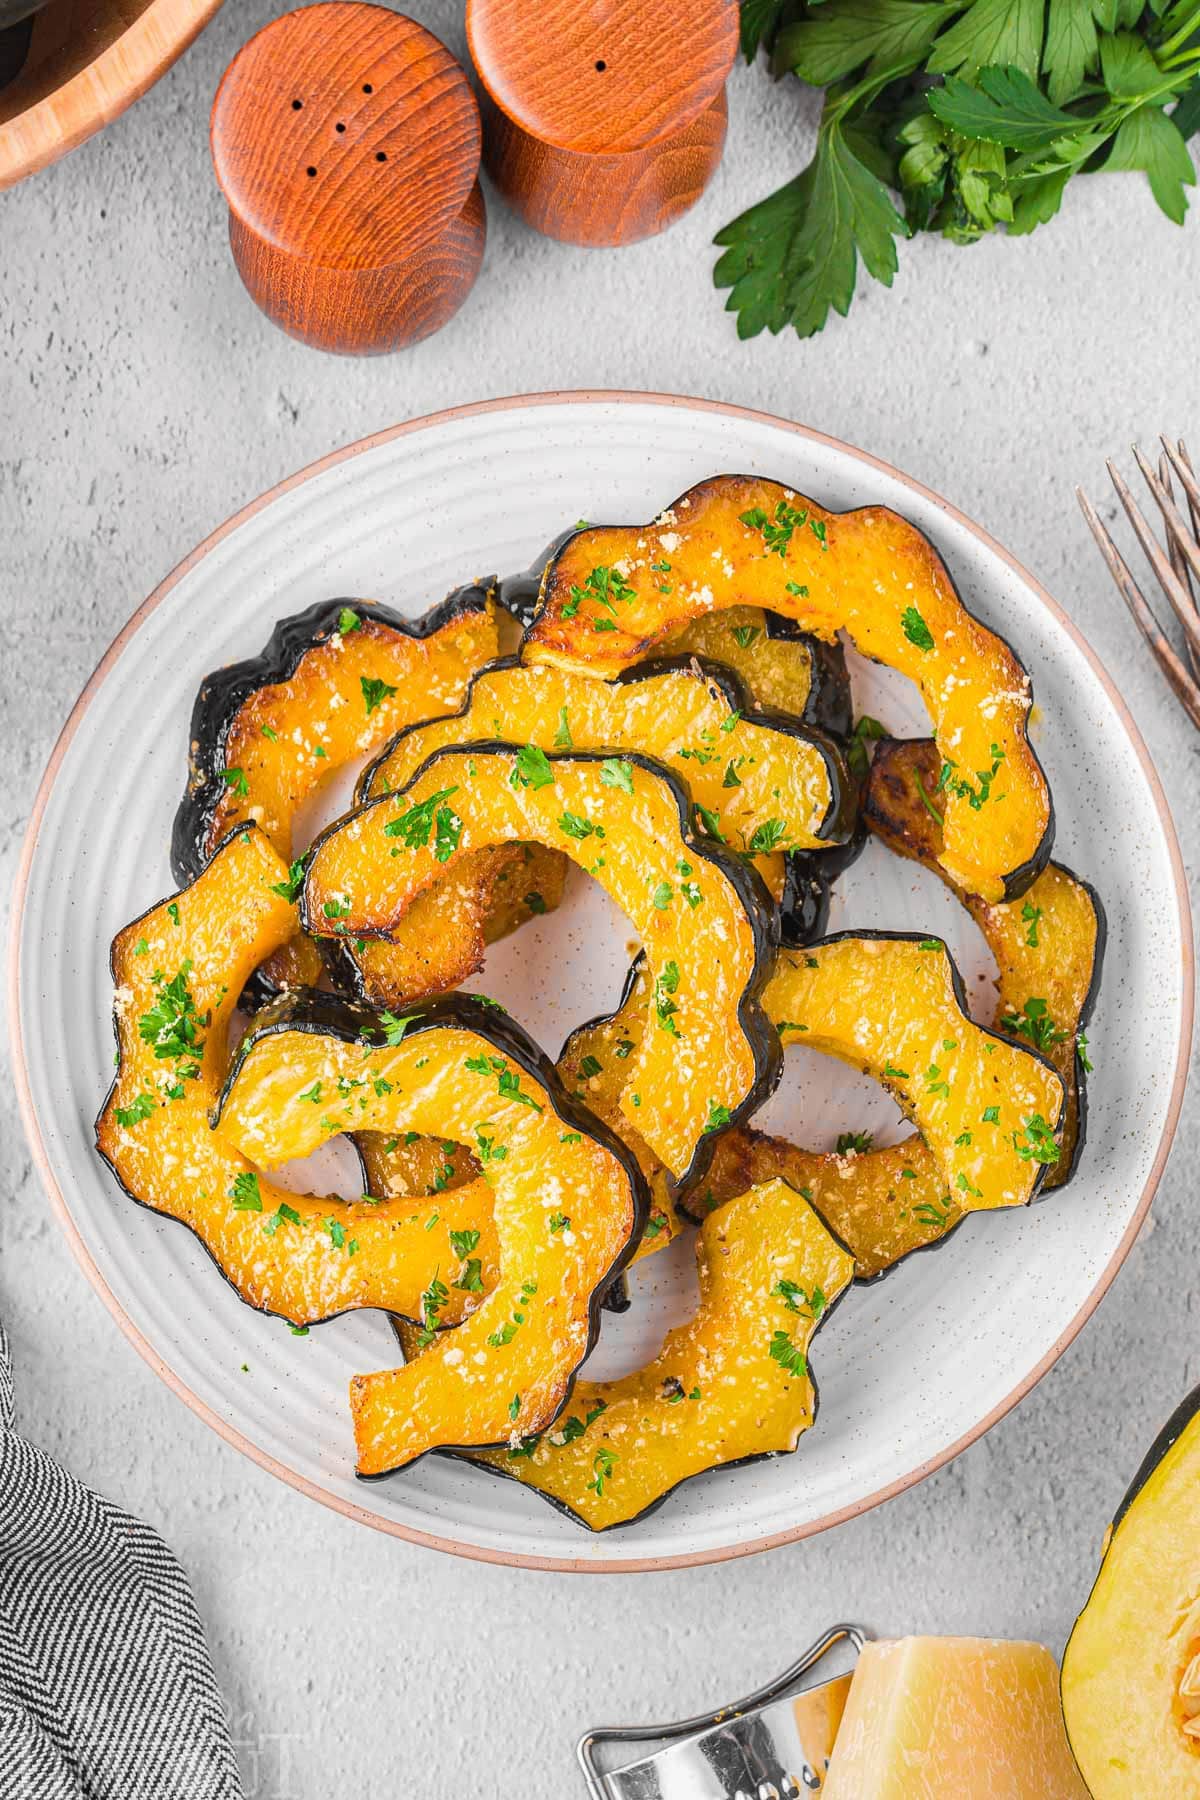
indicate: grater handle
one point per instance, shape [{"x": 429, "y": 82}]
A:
[{"x": 591, "y": 1741}]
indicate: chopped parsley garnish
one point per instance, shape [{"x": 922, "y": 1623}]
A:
[
  {"x": 413, "y": 827},
  {"x": 336, "y": 909},
  {"x": 797, "y": 1300},
  {"x": 141, "y": 1109},
  {"x": 1035, "y": 1024},
  {"x": 930, "y": 1213},
  {"x": 532, "y": 768},
  {"x": 432, "y": 1302},
  {"x": 337, "y": 1233},
  {"x": 559, "y": 1222},
  {"x": 892, "y": 1073},
  {"x": 935, "y": 1082},
  {"x": 514, "y": 1406},
  {"x": 488, "y": 1150},
  {"x": 348, "y": 621},
  {"x": 859, "y": 1141},
  {"x": 1081, "y": 1050},
  {"x": 236, "y": 779},
  {"x": 664, "y": 1006},
  {"x": 776, "y": 532},
  {"x": 791, "y": 1025},
  {"x": 991, "y": 1115},
  {"x": 965, "y": 1186},
  {"x": 661, "y": 897},
  {"x": 470, "y": 1277},
  {"x": 141, "y": 948},
  {"x": 535, "y": 902},
  {"x": 374, "y": 692},
  {"x": 173, "y": 1025},
  {"x": 718, "y": 1118},
  {"x": 602, "y": 1468},
  {"x": 767, "y": 836},
  {"x": 709, "y": 822},
  {"x": 1032, "y": 916},
  {"x": 962, "y": 788},
  {"x": 865, "y": 729},
  {"x": 745, "y": 635},
  {"x": 787, "y": 1354},
  {"x": 283, "y": 1215},
  {"x": 1036, "y": 1143},
  {"x": 290, "y": 889},
  {"x": 463, "y": 1242},
  {"x": 589, "y": 1066},
  {"x": 732, "y": 778},
  {"x": 394, "y": 1028},
  {"x": 562, "y": 736},
  {"x": 245, "y": 1192},
  {"x": 616, "y": 772},
  {"x": 605, "y": 586},
  {"x": 915, "y": 629},
  {"x": 930, "y": 944},
  {"x": 575, "y": 827}
]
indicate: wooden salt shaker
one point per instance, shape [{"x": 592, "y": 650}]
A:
[
  {"x": 603, "y": 119},
  {"x": 346, "y": 141}
]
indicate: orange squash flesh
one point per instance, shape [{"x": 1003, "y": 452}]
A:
[
  {"x": 348, "y": 693},
  {"x": 749, "y": 777},
  {"x": 566, "y": 1206},
  {"x": 298, "y": 1262},
  {"x": 778, "y": 672},
  {"x": 891, "y": 1005},
  {"x": 1130, "y": 1671},
  {"x": 704, "y": 919},
  {"x": 731, "y": 1384},
  {"x": 445, "y": 934},
  {"x": 737, "y": 540},
  {"x": 1048, "y": 945}
]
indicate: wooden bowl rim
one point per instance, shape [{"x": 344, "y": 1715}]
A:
[{"x": 97, "y": 94}]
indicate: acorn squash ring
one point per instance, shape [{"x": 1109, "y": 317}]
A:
[
  {"x": 331, "y": 682},
  {"x": 709, "y": 926},
  {"x": 611, "y": 595},
  {"x": 570, "y": 1201}
]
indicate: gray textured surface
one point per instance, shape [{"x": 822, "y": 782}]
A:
[{"x": 142, "y": 399}]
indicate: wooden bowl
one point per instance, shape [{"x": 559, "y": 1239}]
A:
[{"x": 87, "y": 61}]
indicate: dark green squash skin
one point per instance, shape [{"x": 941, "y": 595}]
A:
[
  {"x": 1086, "y": 1010},
  {"x": 842, "y": 810},
  {"x": 1016, "y": 881},
  {"x": 1170, "y": 1434},
  {"x": 960, "y": 995},
  {"x": 740, "y": 1462},
  {"x": 757, "y": 903},
  {"x": 225, "y": 691},
  {"x": 809, "y": 874},
  {"x": 327, "y": 1015}
]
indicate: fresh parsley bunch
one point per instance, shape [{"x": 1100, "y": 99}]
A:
[{"x": 973, "y": 113}]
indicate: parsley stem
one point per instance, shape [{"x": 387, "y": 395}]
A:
[{"x": 1190, "y": 24}]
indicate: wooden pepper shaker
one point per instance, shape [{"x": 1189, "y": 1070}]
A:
[
  {"x": 603, "y": 119},
  {"x": 346, "y": 140}
]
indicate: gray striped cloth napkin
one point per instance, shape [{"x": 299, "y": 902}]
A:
[{"x": 106, "y": 1687}]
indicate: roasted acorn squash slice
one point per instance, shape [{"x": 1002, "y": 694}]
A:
[
  {"x": 613, "y": 593},
  {"x": 705, "y": 919},
  {"x": 177, "y": 972},
  {"x": 444, "y": 936},
  {"x": 893, "y": 1006},
  {"x": 758, "y": 782},
  {"x": 731, "y": 1385},
  {"x": 1131, "y": 1669},
  {"x": 1048, "y": 946},
  {"x": 782, "y": 668},
  {"x": 332, "y": 684},
  {"x": 569, "y": 1202}
]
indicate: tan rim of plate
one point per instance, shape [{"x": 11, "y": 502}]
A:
[{"x": 570, "y": 1564}]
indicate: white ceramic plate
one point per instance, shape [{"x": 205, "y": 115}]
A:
[{"x": 403, "y": 517}]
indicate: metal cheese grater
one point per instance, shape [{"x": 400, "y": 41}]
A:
[{"x": 773, "y": 1745}]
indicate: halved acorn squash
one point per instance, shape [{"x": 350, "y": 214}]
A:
[
  {"x": 731, "y": 1385},
  {"x": 1131, "y": 1669},
  {"x": 332, "y": 683},
  {"x": 1048, "y": 946},
  {"x": 178, "y": 971},
  {"x": 705, "y": 919},
  {"x": 569, "y": 1201},
  {"x": 759, "y": 782},
  {"x": 611, "y": 594},
  {"x": 445, "y": 934}
]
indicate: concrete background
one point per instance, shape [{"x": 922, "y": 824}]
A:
[{"x": 143, "y": 399}]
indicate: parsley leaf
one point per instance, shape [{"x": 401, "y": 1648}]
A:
[
  {"x": 374, "y": 692},
  {"x": 793, "y": 256}
]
